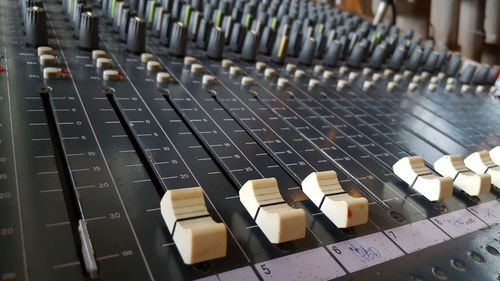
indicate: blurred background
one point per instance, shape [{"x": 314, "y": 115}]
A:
[{"x": 471, "y": 27}]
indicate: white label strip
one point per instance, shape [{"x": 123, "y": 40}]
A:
[
  {"x": 241, "y": 274},
  {"x": 489, "y": 212},
  {"x": 315, "y": 264},
  {"x": 366, "y": 251},
  {"x": 417, "y": 236},
  {"x": 458, "y": 223}
]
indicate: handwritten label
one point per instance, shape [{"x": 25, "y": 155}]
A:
[
  {"x": 458, "y": 223},
  {"x": 489, "y": 212},
  {"x": 315, "y": 264},
  {"x": 416, "y": 236},
  {"x": 241, "y": 274},
  {"x": 366, "y": 251}
]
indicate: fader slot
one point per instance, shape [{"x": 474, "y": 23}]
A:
[
  {"x": 367, "y": 190},
  {"x": 256, "y": 195},
  {"x": 146, "y": 159},
  {"x": 74, "y": 207},
  {"x": 340, "y": 198},
  {"x": 183, "y": 209}
]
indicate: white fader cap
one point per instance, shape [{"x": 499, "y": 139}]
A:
[
  {"x": 196, "y": 235},
  {"x": 145, "y": 57},
  {"x": 51, "y": 73},
  {"x": 414, "y": 172},
  {"x": 279, "y": 222},
  {"x": 98, "y": 54},
  {"x": 47, "y": 60},
  {"x": 163, "y": 77},
  {"x": 104, "y": 63},
  {"x": 153, "y": 65},
  {"x": 110, "y": 75},
  {"x": 324, "y": 190},
  {"x": 44, "y": 50}
]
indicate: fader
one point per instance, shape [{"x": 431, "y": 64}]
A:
[{"x": 240, "y": 140}]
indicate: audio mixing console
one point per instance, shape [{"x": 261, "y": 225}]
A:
[{"x": 240, "y": 140}]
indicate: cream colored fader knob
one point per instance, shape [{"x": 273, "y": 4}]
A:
[
  {"x": 481, "y": 163},
  {"x": 153, "y": 65},
  {"x": 47, "y": 60},
  {"x": 197, "y": 236},
  {"x": 328, "y": 74},
  {"x": 453, "y": 166},
  {"x": 98, "y": 54},
  {"x": 44, "y": 50},
  {"x": 313, "y": 83},
  {"x": 341, "y": 84},
  {"x": 495, "y": 155},
  {"x": 51, "y": 73},
  {"x": 196, "y": 68},
  {"x": 414, "y": 172},
  {"x": 247, "y": 81},
  {"x": 283, "y": 82},
  {"x": 208, "y": 80},
  {"x": 290, "y": 67},
  {"x": 110, "y": 75},
  {"x": 145, "y": 57},
  {"x": 324, "y": 190},
  {"x": 226, "y": 63},
  {"x": 299, "y": 73},
  {"x": 188, "y": 61},
  {"x": 260, "y": 66},
  {"x": 279, "y": 222},
  {"x": 163, "y": 77},
  {"x": 269, "y": 72},
  {"x": 104, "y": 63},
  {"x": 234, "y": 70},
  {"x": 318, "y": 69}
]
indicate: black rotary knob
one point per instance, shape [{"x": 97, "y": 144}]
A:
[
  {"x": 216, "y": 43},
  {"x": 333, "y": 53},
  {"x": 36, "y": 26},
  {"x": 250, "y": 46},
  {"x": 89, "y": 31},
  {"x": 306, "y": 55},
  {"x": 80, "y": 8},
  {"x": 378, "y": 57},
  {"x": 414, "y": 62},
  {"x": 237, "y": 36},
  {"x": 136, "y": 39},
  {"x": 125, "y": 17},
  {"x": 203, "y": 33},
  {"x": 278, "y": 54},
  {"x": 178, "y": 40},
  {"x": 166, "y": 26}
]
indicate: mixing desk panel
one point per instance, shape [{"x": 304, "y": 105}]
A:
[{"x": 240, "y": 140}]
